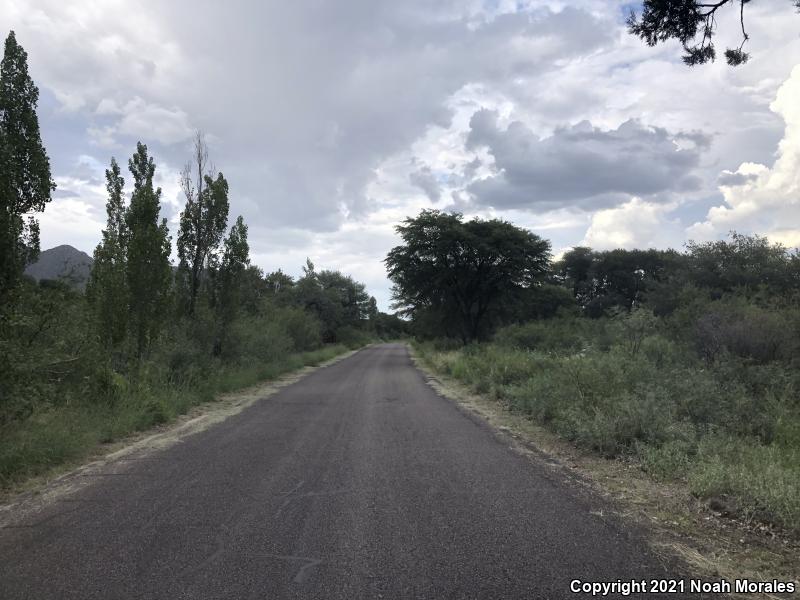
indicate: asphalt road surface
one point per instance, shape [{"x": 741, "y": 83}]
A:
[{"x": 358, "y": 481}]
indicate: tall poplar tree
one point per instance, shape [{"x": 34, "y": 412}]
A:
[
  {"x": 148, "y": 272},
  {"x": 25, "y": 181},
  {"x": 228, "y": 279},
  {"x": 203, "y": 220},
  {"x": 107, "y": 290}
]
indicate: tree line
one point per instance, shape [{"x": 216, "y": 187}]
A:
[{"x": 465, "y": 279}]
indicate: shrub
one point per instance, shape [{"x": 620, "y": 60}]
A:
[{"x": 749, "y": 332}]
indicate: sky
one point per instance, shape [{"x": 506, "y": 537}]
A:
[{"x": 334, "y": 121}]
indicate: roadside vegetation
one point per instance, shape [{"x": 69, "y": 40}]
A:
[
  {"x": 148, "y": 339},
  {"x": 685, "y": 363}
]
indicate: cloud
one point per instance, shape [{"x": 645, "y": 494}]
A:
[
  {"x": 761, "y": 198},
  {"x": 581, "y": 165},
  {"x": 306, "y": 102},
  {"x": 140, "y": 120},
  {"x": 635, "y": 224},
  {"x": 424, "y": 179},
  {"x": 149, "y": 121}
]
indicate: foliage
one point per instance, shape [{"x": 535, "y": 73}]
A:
[
  {"x": 228, "y": 279},
  {"x": 447, "y": 266},
  {"x": 107, "y": 290},
  {"x": 687, "y": 364},
  {"x": 389, "y": 327},
  {"x": 202, "y": 222},
  {"x": 743, "y": 263},
  {"x": 685, "y": 20},
  {"x": 25, "y": 182},
  {"x": 148, "y": 273},
  {"x": 337, "y": 300},
  {"x": 664, "y": 280},
  {"x": 613, "y": 279},
  {"x": 45, "y": 349}
]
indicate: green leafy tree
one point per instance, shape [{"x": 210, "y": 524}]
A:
[
  {"x": 203, "y": 220},
  {"x": 686, "y": 21},
  {"x": 614, "y": 279},
  {"x": 228, "y": 278},
  {"x": 372, "y": 308},
  {"x": 107, "y": 290},
  {"x": 348, "y": 296},
  {"x": 148, "y": 271},
  {"x": 574, "y": 270},
  {"x": 278, "y": 282},
  {"x": 337, "y": 300},
  {"x": 253, "y": 290},
  {"x": 25, "y": 182},
  {"x": 463, "y": 270},
  {"x": 744, "y": 262}
]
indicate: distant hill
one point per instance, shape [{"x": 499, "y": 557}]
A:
[{"x": 62, "y": 262}]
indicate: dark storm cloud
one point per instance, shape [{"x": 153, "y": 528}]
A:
[{"x": 580, "y": 165}]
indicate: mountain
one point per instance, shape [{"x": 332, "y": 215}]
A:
[{"x": 62, "y": 262}]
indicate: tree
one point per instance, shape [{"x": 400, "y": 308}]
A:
[
  {"x": 107, "y": 291},
  {"x": 618, "y": 279},
  {"x": 337, "y": 300},
  {"x": 228, "y": 278},
  {"x": 253, "y": 290},
  {"x": 744, "y": 262},
  {"x": 683, "y": 20},
  {"x": 574, "y": 270},
  {"x": 148, "y": 272},
  {"x": 203, "y": 220},
  {"x": 463, "y": 270},
  {"x": 543, "y": 301},
  {"x": 277, "y": 282},
  {"x": 25, "y": 182}
]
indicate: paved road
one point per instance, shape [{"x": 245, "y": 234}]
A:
[{"x": 355, "y": 482}]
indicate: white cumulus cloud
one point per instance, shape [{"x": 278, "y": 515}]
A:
[{"x": 762, "y": 198}]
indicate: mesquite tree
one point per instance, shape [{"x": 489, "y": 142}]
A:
[{"x": 463, "y": 271}]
